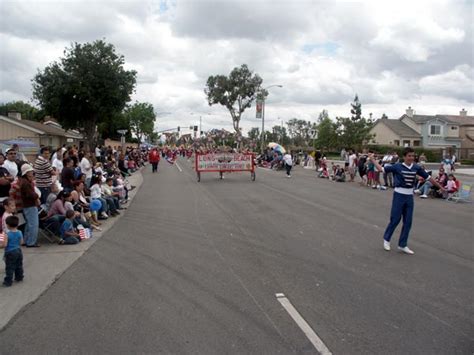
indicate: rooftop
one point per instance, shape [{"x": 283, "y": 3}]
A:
[{"x": 399, "y": 127}]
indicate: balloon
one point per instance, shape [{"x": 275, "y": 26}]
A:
[{"x": 95, "y": 205}]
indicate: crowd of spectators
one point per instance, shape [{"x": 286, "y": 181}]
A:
[
  {"x": 62, "y": 183},
  {"x": 357, "y": 165}
]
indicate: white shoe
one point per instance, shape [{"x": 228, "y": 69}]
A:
[
  {"x": 406, "y": 250},
  {"x": 423, "y": 196},
  {"x": 288, "y": 176},
  {"x": 417, "y": 192},
  {"x": 386, "y": 245},
  {"x": 104, "y": 215}
]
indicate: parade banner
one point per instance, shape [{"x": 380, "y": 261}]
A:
[
  {"x": 227, "y": 162},
  {"x": 259, "y": 107}
]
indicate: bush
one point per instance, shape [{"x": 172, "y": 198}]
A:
[
  {"x": 432, "y": 155},
  {"x": 467, "y": 162}
]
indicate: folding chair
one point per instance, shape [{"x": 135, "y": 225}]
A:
[
  {"x": 44, "y": 229},
  {"x": 464, "y": 194}
]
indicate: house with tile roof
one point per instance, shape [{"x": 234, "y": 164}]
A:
[
  {"x": 445, "y": 132},
  {"x": 48, "y": 133},
  {"x": 394, "y": 132}
]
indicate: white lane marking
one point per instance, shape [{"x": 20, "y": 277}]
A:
[
  {"x": 179, "y": 168},
  {"x": 304, "y": 326}
]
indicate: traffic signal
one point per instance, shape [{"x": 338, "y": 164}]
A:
[
  {"x": 195, "y": 128},
  {"x": 179, "y": 128}
]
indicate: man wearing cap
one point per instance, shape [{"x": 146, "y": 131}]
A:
[
  {"x": 44, "y": 173},
  {"x": 10, "y": 164},
  {"x": 30, "y": 200}
]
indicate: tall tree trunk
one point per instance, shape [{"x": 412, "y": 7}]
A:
[{"x": 90, "y": 135}]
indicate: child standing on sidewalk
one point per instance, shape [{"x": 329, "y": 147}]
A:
[
  {"x": 13, "y": 239},
  {"x": 10, "y": 208}
]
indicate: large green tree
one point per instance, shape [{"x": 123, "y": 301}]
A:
[
  {"x": 327, "y": 134},
  {"x": 322, "y": 116},
  {"x": 86, "y": 87},
  {"x": 299, "y": 131},
  {"x": 236, "y": 92},
  {"x": 108, "y": 128},
  {"x": 280, "y": 135},
  {"x": 27, "y": 111},
  {"x": 141, "y": 118},
  {"x": 356, "y": 109},
  {"x": 254, "y": 133},
  {"x": 353, "y": 134}
]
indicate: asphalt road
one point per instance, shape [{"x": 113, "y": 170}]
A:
[{"x": 193, "y": 268}]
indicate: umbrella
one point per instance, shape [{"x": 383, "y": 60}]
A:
[
  {"x": 22, "y": 143},
  {"x": 276, "y": 147}
]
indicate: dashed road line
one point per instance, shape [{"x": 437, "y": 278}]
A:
[{"x": 304, "y": 326}]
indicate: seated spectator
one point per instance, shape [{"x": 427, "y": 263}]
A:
[
  {"x": 96, "y": 194},
  {"x": 81, "y": 204},
  {"x": 82, "y": 178},
  {"x": 420, "y": 182},
  {"x": 323, "y": 171},
  {"x": 452, "y": 186},
  {"x": 51, "y": 197},
  {"x": 132, "y": 165},
  {"x": 340, "y": 175},
  {"x": 69, "y": 234},
  {"x": 334, "y": 168},
  {"x": 123, "y": 165},
  {"x": 442, "y": 179},
  {"x": 111, "y": 197},
  {"x": 56, "y": 213},
  {"x": 78, "y": 220}
]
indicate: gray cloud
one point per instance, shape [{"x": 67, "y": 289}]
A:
[
  {"x": 216, "y": 19},
  {"x": 392, "y": 53}
]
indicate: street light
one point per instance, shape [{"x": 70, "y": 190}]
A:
[{"x": 263, "y": 114}]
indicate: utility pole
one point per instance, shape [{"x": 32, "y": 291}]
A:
[
  {"x": 263, "y": 126},
  {"x": 263, "y": 116}
]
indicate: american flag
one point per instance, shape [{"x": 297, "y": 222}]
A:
[{"x": 85, "y": 233}]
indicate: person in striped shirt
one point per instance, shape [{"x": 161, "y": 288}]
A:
[
  {"x": 44, "y": 173},
  {"x": 404, "y": 176}
]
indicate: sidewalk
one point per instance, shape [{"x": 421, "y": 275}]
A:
[{"x": 43, "y": 266}]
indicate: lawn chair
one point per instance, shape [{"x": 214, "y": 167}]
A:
[
  {"x": 45, "y": 231},
  {"x": 464, "y": 194}
]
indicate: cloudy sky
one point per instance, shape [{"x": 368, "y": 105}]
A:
[{"x": 393, "y": 54}]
